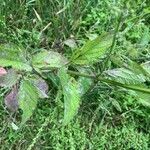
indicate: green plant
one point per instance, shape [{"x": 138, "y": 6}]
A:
[
  {"x": 109, "y": 117},
  {"x": 27, "y": 78}
]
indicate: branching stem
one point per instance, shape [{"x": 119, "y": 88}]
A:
[{"x": 111, "y": 82}]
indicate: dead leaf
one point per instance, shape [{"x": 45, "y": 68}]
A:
[{"x": 11, "y": 100}]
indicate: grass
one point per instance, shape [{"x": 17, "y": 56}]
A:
[
  {"x": 108, "y": 118},
  {"x": 126, "y": 135}
]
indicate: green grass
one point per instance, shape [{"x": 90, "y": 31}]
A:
[
  {"x": 108, "y": 118},
  {"x": 77, "y": 135}
]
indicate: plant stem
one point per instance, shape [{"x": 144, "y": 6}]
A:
[
  {"x": 81, "y": 74},
  {"x": 114, "y": 39},
  {"x": 111, "y": 82}
]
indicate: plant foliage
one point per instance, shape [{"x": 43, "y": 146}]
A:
[
  {"x": 33, "y": 84},
  {"x": 71, "y": 95}
]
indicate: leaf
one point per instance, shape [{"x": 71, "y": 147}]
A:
[
  {"x": 48, "y": 59},
  {"x": 28, "y": 97},
  {"x": 70, "y": 43},
  {"x": 71, "y": 95},
  {"x": 15, "y": 64},
  {"x": 11, "y": 100},
  {"x": 92, "y": 36},
  {"x": 14, "y": 57},
  {"x": 143, "y": 98},
  {"x": 42, "y": 87},
  {"x": 84, "y": 83},
  {"x": 116, "y": 104},
  {"x": 9, "y": 79},
  {"x": 138, "y": 69},
  {"x": 92, "y": 50},
  {"x": 126, "y": 76},
  {"x": 145, "y": 37},
  {"x": 146, "y": 67}
]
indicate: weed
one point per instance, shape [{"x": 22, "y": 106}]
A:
[{"x": 79, "y": 73}]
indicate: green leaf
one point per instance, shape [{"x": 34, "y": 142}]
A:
[
  {"x": 84, "y": 83},
  {"x": 116, "y": 104},
  {"x": 13, "y": 56},
  {"x": 9, "y": 79},
  {"x": 139, "y": 69},
  {"x": 146, "y": 67},
  {"x": 28, "y": 97},
  {"x": 48, "y": 59},
  {"x": 15, "y": 64},
  {"x": 145, "y": 37},
  {"x": 92, "y": 50},
  {"x": 71, "y": 95},
  {"x": 143, "y": 98},
  {"x": 126, "y": 76}
]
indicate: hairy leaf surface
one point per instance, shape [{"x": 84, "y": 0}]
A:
[
  {"x": 126, "y": 76},
  {"x": 143, "y": 98},
  {"x": 84, "y": 83},
  {"x": 14, "y": 57},
  {"x": 92, "y": 50},
  {"x": 42, "y": 87},
  {"x": 146, "y": 67},
  {"x": 11, "y": 100},
  {"x": 9, "y": 79},
  {"x": 48, "y": 59},
  {"x": 28, "y": 97},
  {"x": 71, "y": 95}
]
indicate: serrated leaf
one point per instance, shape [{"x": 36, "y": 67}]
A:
[
  {"x": 28, "y": 97},
  {"x": 126, "y": 76},
  {"x": 146, "y": 67},
  {"x": 145, "y": 37},
  {"x": 143, "y": 98},
  {"x": 84, "y": 83},
  {"x": 48, "y": 59},
  {"x": 9, "y": 79},
  {"x": 15, "y": 64},
  {"x": 13, "y": 56},
  {"x": 92, "y": 50},
  {"x": 71, "y": 95},
  {"x": 138, "y": 69},
  {"x": 42, "y": 87}
]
